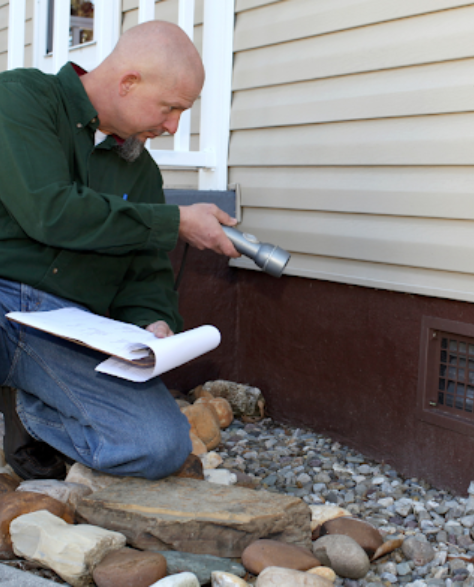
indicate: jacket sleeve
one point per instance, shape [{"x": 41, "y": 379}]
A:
[
  {"x": 38, "y": 193},
  {"x": 146, "y": 294}
]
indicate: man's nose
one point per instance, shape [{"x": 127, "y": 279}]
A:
[{"x": 172, "y": 122}]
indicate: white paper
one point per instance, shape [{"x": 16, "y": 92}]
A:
[
  {"x": 123, "y": 340},
  {"x": 169, "y": 352}
]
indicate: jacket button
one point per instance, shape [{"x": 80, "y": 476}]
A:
[
  {"x": 79, "y": 125},
  {"x": 55, "y": 270},
  {"x": 94, "y": 120}
]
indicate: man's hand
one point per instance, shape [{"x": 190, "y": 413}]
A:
[
  {"x": 200, "y": 226},
  {"x": 160, "y": 329}
]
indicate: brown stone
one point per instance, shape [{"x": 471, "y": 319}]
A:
[
  {"x": 362, "y": 532},
  {"x": 16, "y": 504},
  {"x": 192, "y": 468},
  {"x": 129, "y": 568},
  {"x": 272, "y": 553},
  {"x": 198, "y": 392},
  {"x": 196, "y": 516},
  {"x": 221, "y": 407},
  {"x": 204, "y": 423},
  {"x": 7, "y": 483}
]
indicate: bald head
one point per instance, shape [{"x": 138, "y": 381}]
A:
[
  {"x": 155, "y": 60},
  {"x": 158, "y": 49}
]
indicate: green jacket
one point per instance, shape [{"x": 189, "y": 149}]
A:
[{"x": 65, "y": 227}]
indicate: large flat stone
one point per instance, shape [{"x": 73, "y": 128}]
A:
[{"x": 196, "y": 516}]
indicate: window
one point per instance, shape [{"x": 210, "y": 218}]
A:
[{"x": 81, "y": 23}]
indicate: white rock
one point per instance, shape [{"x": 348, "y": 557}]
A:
[
  {"x": 71, "y": 551},
  {"x": 179, "y": 580},
  {"x": 378, "y": 480},
  {"x": 404, "y": 506},
  {"x": 211, "y": 460},
  {"x": 323, "y": 513},
  {"x": 60, "y": 490},
  {"x": 80, "y": 474},
  {"x": 467, "y": 521},
  {"x": 469, "y": 507},
  {"x": 386, "y": 501},
  {"x": 358, "y": 479},
  {"x": 220, "y": 476},
  {"x": 471, "y": 488},
  {"x": 222, "y": 579},
  {"x": 280, "y": 577}
]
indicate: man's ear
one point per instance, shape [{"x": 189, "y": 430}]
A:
[{"x": 128, "y": 81}]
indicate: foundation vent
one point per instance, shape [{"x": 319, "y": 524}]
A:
[{"x": 446, "y": 382}]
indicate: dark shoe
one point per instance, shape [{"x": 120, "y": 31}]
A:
[{"x": 29, "y": 458}]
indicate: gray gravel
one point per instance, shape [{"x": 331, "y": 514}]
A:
[{"x": 296, "y": 462}]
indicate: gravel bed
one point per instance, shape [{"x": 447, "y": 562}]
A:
[{"x": 296, "y": 462}]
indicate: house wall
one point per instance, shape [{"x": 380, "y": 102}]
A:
[{"x": 352, "y": 139}]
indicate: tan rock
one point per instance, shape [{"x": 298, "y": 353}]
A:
[
  {"x": 2, "y": 458},
  {"x": 199, "y": 392},
  {"x": 199, "y": 448},
  {"x": 93, "y": 479},
  {"x": 221, "y": 407},
  {"x": 7, "y": 483},
  {"x": 129, "y": 568},
  {"x": 211, "y": 460},
  {"x": 196, "y": 516},
  {"x": 279, "y": 577},
  {"x": 322, "y": 513},
  {"x": 182, "y": 403},
  {"x": 271, "y": 553},
  {"x": 179, "y": 580},
  {"x": 324, "y": 572},
  {"x": 362, "y": 532},
  {"x": 71, "y": 551},
  {"x": 244, "y": 399},
  {"x": 223, "y": 579},
  {"x": 16, "y": 504},
  {"x": 204, "y": 424}
]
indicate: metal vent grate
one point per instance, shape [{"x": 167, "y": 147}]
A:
[
  {"x": 456, "y": 374},
  {"x": 446, "y": 378}
]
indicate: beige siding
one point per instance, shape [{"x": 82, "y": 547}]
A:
[
  {"x": 4, "y": 34},
  {"x": 353, "y": 139}
]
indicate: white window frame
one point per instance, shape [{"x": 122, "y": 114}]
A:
[{"x": 211, "y": 158}]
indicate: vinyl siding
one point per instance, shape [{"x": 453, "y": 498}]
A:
[
  {"x": 4, "y": 13},
  {"x": 353, "y": 139}
]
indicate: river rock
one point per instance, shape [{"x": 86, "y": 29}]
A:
[
  {"x": 211, "y": 460},
  {"x": 221, "y": 579},
  {"x": 343, "y": 555},
  {"x": 191, "y": 469},
  {"x": 71, "y": 551},
  {"x": 181, "y": 580},
  {"x": 129, "y": 568},
  {"x": 324, "y": 572},
  {"x": 270, "y": 553},
  {"x": 204, "y": 424},
  {"x": 421, "y": 553},
  {"x": 199, "y": 448},
  {"x": 196, "y": 516},
  {"x": 362, "y": 532},
  {"x": 220, "y": 476},
  {"x": 93, "y": 479},
  {"x": 221, "y": 407},
  {"x": 280, "y": 577},
  {"x": 322, "y": 513},
  {"x": 16, "y": 504},
  {"x": 7, "y": 483},
  {"x": 202, "y": 565},
  {"x": 60, "y": 490},
  {"x": 244, "y": 399}
]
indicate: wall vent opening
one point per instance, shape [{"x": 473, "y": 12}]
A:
[{"x": 446, "y": 375}]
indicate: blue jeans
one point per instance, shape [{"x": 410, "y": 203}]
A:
[{"x": 109, "y": 424}]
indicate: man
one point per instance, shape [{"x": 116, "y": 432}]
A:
[{"x": 86, "y": 225}]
